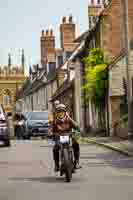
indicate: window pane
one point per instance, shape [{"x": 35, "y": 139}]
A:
[
  {"x": 60, "y": 60},
  {"x": 52, "y": 66},
  {"x": 68, "y": 54}
]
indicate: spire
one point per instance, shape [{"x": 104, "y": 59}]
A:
[
  {"x": 9, "y": 60},
  {"x": 23, "y": 60},
  {"x": 30, "y": 70}
]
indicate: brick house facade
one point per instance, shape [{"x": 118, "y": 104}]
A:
[{"x": 113, "y": 43}]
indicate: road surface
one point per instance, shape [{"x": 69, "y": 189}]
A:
[{"x": 26, "y": 173}]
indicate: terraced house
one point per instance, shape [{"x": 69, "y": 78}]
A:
[
  {"x": 46, "y": 77},
  {"x": 109, "y": 36},
  {"x": 64, "y": 69}
]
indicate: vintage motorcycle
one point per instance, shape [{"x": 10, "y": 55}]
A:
[{"x": 66, "y": 157}]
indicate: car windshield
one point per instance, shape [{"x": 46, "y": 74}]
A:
[
  {"x": 26, "y": 114},
  {"x": 38, "y": 116}
]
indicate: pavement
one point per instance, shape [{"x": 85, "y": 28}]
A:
[
  {"x": 26, "y": 173},
  {"x": 122, "y": 146}
]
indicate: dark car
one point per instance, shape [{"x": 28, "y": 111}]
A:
[
  {"x": 4, "y": 128},
  {"x": 36, "y": 124}
]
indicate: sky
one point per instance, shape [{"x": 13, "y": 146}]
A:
[{"x": 21, "y": 22}]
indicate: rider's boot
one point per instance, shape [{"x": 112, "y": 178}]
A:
[
  {"x": 57, "y": 167},
  {"x": 76, "y": 165}
]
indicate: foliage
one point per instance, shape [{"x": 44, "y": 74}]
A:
[
  {"x": 124, "y": 121},
  {"x": 95, "y": 76}
]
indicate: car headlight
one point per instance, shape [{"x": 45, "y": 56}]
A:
[
  {"x": 29, "y": 127},
  {"x": 3, "y": 129}
]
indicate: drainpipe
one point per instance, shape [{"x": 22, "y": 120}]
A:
[{"x": 127, "y": 48}]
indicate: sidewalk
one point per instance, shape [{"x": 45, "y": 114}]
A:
[{"x": 123, "y": 146}]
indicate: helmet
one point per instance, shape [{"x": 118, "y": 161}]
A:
[
  {"x": 56, "y": 103},
  {"x": 61, "y": 107}
]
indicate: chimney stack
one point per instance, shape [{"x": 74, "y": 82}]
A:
[
  {"x": 67, "y": 33},
  {"x": 47, "y": 41},
  {"x": 94, "y": 9}
]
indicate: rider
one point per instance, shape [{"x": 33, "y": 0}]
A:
[{"x": 62, "y": 123}]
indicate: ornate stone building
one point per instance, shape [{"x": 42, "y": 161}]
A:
[{"x": 11, "y": 79}]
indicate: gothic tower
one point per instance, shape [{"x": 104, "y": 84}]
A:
[
  {"x": 9, "y": 63},
  {"x": 94, "y": 8},
  {"x": 9, "y": 60},
  {"x": 23, "y": 61}
]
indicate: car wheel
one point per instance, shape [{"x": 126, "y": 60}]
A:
[
  {"x": 7, "y": 143},
  {"x": 26, "y": 137}
]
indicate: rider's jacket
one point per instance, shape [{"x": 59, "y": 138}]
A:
[{"x": 60, "y": 127}]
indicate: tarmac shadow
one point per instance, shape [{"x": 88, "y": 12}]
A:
[
  {"x": 47, "y": 179},
  {"x": 116, "y": 160}
]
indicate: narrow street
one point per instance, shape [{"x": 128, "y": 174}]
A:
[{"x": 26, "y": 173}]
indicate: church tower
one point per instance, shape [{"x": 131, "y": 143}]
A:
[{"x": 94, "y": 9}]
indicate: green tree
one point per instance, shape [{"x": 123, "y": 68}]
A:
[{"x": 96, "y": 77}]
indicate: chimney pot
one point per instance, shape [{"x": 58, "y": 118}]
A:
[
  {"x": 64, "y": 19},
  {"x": 47, "y": 32},
  {"x": 51, "y": 32},
  {"x": 70, "y": 19},
  {"x": 42, "y": 32}
]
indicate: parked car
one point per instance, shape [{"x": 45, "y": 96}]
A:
[
  {"x": 36, "y": 124},
  {"x": 25, "y": 114},
  {"x": 4, "y": 128}
]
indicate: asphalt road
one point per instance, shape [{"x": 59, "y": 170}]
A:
[{"x": 26, "y": 173}]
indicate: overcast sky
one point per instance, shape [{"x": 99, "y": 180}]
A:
[{"x": 21, "y": 22}]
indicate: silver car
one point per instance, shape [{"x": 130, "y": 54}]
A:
[{"x": 36, "y": 124}]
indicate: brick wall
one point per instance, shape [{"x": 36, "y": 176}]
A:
[
  {"x": 112, "y": 29},
  {"x": 67, "y": 34},
  {"x": 130, "y": 18},
  {"x": 47, "y": 46},
  {"x": 113, "y": 44}
]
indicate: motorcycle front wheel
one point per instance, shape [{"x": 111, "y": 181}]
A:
[{"x": 67, "y": 165}]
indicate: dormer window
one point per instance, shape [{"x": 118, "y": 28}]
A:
[{"x": 68, "y": 54}]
